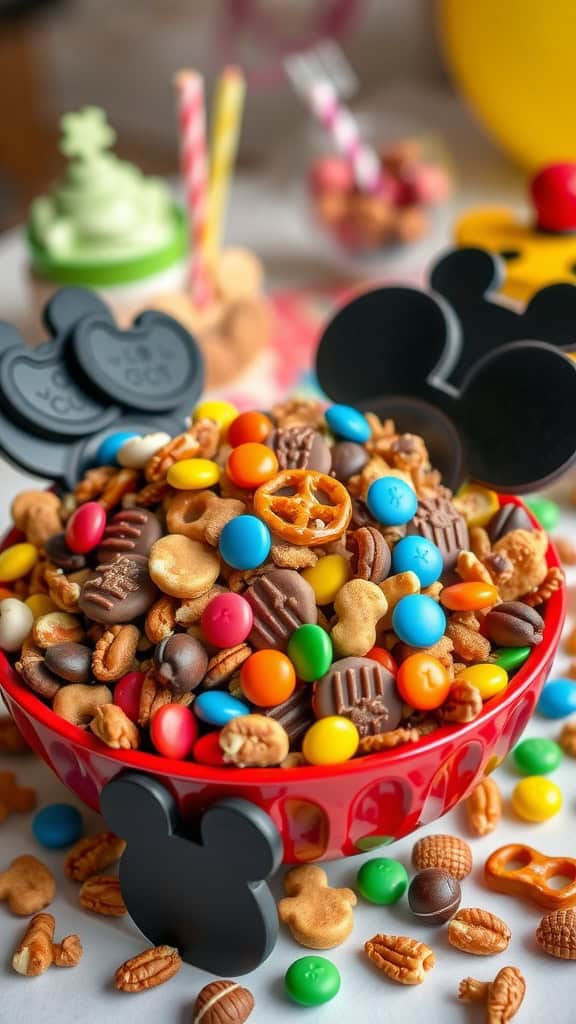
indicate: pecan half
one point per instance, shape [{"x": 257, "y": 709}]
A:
[
  {"x": 93, "y": 483},
  {"x": 567, "y": 739},
  {"x": 224, "y": 664},
  {"x": 552, "y": 581},
  {"x": 503, "y": 996},
  {"x": 484, "y": 807},
  {"x": 101, "y": 894},
  {"x": 161, "y": 619},
  {"x": 371, "y": 558},
  {"x": 477, "y": 931},
  {"x": 154, "y": 696},
  {"x": 556, "y": 934},
  {"x": 254, "y": 740},
  {"x": 113, "y": 727},
  {"x": 147, "y": 970},
  {"x": 114, "y": 652},
  {"x": 463, "y": 703},
  {"x": 91, "y": 855},
  {"x": 387, "y": 740},
  {"x": 402, "y": 959},
  {"x": 468, "y": 644},
  {"x": 123, "y": 482}
]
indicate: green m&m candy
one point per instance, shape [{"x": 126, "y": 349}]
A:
[
  {"x": 547, "y": 512},
  {"x": 537, "y": 756},
  {"x": 310, "y": 651},
  {"x": 511, "y": 658},
  {"x": 312, "y": 980},
  {"x": 382, "y": 880}
]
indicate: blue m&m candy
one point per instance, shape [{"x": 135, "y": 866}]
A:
[
  {"x": 245, "y": 542},
  {"x": 57, "y": 826},
  {"x": 348, "y": 423},
  {"x": 418, "y": 620},
  {"x": 218, "y": 707},
  {"x": 558, "y": 698},
  {"x": 391, "y": 501},
  {"x": 419, "y": 555},
  {"x": 107, "y": 454}
]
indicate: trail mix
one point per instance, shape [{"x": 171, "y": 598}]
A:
[{"x": 281, "y": 589}]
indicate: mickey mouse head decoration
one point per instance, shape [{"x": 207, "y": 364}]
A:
[
  {"x": 205, "y": 895},
  {"x": 60, "y": 400},
  {"x": 492, "y": 407}
]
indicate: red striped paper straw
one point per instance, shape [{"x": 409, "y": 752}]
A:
[
  {"x": 194, "y": 163},
  {"x": 369, "y": 174}
]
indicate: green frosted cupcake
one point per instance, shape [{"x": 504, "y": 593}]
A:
[{"x": 105, "y": 225}]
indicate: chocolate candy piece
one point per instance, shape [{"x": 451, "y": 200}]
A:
[
  {"x": 119, "y": 591},
  {"x": 181, "y": 662},
  {"x": 514, "y": 624},
  {"x": 434, "y": 896},
  {"x": 132, "y": 531},
  {"x": 348, "y": 459},
  {"x": 281, "y": 601},
  {"x": 362, "y": 690},
  {"x": 439, "y": 521},
  {"x": 295, "y": 715},
  {"x": 58, "y": 552},
  {"x": 371, "y": 558},
  {"x": 72, "y": 662},
  {"x": 300, "y": 448},
  {"x": 507, "y": 518}
]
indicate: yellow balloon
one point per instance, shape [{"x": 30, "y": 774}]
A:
[{"x": 514, "y": 61}]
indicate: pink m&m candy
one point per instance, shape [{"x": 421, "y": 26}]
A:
[
  {"x": 85, "y": 527},
  {"x": 227, "y": 620},
  {"x": 127, "y": 694},
  {"x": 174, "y": 731}
]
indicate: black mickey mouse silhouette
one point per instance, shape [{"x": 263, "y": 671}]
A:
[
  {"x": 60, "y": 400},
  {"x": 510, "y": 422},
  {"x": 205, "y": 895}
]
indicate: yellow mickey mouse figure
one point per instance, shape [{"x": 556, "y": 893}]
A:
[
  {"x": 318, "y": 916},
  {"x": 538, "y": 252}
]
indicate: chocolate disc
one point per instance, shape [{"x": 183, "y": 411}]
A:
[
  {"x": 132, "y": 531},
  {"x": 58, "y": 552},
  {"x": 439, "y": 521},
  {"x": 281, "y": 601},
  {"x": 295, "y": 715},
  {"x": 362, "y": 690},
  {"x": 119, "y": 591},
  {"x": 300, "y": 448}
]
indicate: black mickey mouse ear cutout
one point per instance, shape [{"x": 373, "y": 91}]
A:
[
  {"x": 458, "y": 359},
  {"x": 91, "y": 379}
]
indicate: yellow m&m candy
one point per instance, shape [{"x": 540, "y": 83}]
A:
[
  {"x": 17, "y": 561},
  {"x": 40, "y": 604},
  {"x": 327, "y": 577},
  {"x": 489, "y": 679},
  {"x": 536, "y": 798},
  {"x": 330, "y": 740},
  {"x": 224, "y": 413},
  {"x": 193, "y": 474}
]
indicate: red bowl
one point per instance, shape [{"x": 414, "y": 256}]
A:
[{"x": 321, "y": 812}]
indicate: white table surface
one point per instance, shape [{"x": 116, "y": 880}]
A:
[{"x": 294, "y": 253}]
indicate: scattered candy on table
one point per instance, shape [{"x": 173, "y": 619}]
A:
[
  {"x": 558, "y": 698},
  {"x": 382, "y": 880},
  {"x": 312, "y": 981},
  {"x": 537, "y": 756},
  {"x": 57, "y": 826},
  {"x": 536, "y": 798}
]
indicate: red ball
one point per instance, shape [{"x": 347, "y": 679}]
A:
[
  {"x": 85, "y": 528},
  {"x": 127, "y": 694},
  {"x": 227, "y": 620},
  {"x": 173, "y": 731},
  {"x": 207, "y": 750},
  {"x": 554, "y": 196}
]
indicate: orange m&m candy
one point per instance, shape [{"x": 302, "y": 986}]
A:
[
  {"x": 249, "y": 426},
  {"x": 384, "y": 657},
  {"x": 423, "y": 682},
  {"x": 469, "y": 597},
  {"x": 267, "y": 678},
  {"x": 251, "y": 464}
]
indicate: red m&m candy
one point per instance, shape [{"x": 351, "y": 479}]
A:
[
  {"x": 85, "y": 527},
  {"x": 251, "y": 464},
  {"x": 384, "y": 657},
  {"x": 174, "y": 731},
  {"x": 249, "y": 426},
  {"x": 127, "y": 694},
  {"x": 227, "y": 620},
  {"x": 207, "y": 750}
]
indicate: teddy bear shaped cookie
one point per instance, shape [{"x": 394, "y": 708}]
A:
[
  {"x": 538, "y": 249},
  {"x": 197, "y": 887},
  {"x": 318, "y": 916}
]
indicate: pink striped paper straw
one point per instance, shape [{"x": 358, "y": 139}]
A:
[
  {"x": 194, "y": 163},
  {"x": 337, "y": 119}
]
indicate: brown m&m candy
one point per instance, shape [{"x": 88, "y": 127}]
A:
[
  {"x": 362, "y": 690},
  {"x": 131, "y": 531},
  {"x": 434, "y": 896},
  {"x": 181, "y": 662},
  {"x": 119, "y": 591},
  {"x": 281, "y": 601}
]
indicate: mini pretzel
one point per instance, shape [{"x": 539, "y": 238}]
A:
[
  {"x": 531, "y": 879},
  {"x": 301, "y": 517}
]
